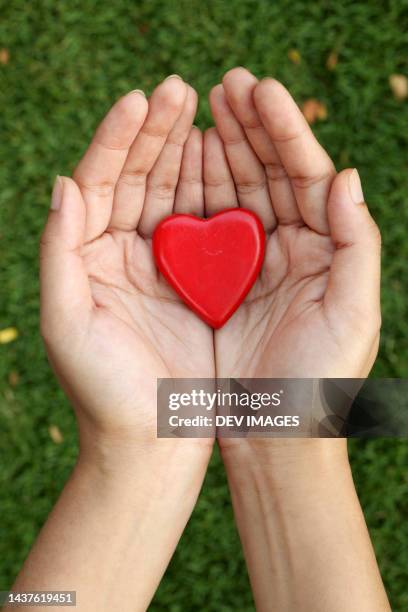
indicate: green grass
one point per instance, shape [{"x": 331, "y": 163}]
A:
[{"x": 68, "y": 62}]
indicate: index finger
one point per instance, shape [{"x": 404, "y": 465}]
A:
[{"x": 306, "y": 162}]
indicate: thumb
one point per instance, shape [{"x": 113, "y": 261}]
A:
[
  {"x": 354, "y": 280},
  {"x": 64, "y": 283}
]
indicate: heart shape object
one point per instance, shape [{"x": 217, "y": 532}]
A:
[{"x": 211, "y": 263}]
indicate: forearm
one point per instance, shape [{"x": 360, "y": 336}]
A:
[
  {"x": 114, "y": 530},
  {"x": 302, "y": 529}
]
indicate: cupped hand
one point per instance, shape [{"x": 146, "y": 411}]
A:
[
  {"x": 315, "y": 310},
  {"x": 111, "y": 324}
]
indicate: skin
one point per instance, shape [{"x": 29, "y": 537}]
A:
[
  {"x": 113, "y": 316},
  {"x": 317, "y": 297},
  {"x": 313, "y": 312},
  {"x": 112, "y": 327}
]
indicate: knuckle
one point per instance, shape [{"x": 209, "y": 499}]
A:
[
  {"x": 47, "y": 241},
  {"x": 248, "y": 187},
  {"x": 162, "y": 191},
  {"x": 176, "y": 141},
  {"x": 133, "y": 177},
  {"x": 275, "y": 171},
  {"x": 154, "y": 131},
  {"x": 235, "y": 142},
  {"x": 104, "y": 189},
  {"x": 215, "y": 182},
  {"x": 304, "y": 182},
  {"x": 283, "y": 136}
]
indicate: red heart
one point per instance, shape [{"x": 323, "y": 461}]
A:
[{"x": 211, "y": 263}]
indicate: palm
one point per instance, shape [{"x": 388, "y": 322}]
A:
[
  {"x": 281, "y": 325},
  {"x": 138, "y": 330},
  {"x": 148, "y": 323},
  {"x": 114, "y": 326},
  {"x": 127, "y": 327},
  {"x": 301, "y": 318}
]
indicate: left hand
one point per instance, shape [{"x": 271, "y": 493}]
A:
[
  {"x": 111, "y": 324},
  {"x": 314, "y": 310}
]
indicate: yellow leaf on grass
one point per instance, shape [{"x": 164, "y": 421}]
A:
[
  {"x": 314, "y": 110},
  {"x": 9, "y": 334},
  {"x": 55, "y": 434},
  {"x": 4, "y": 56},
  {"x": 399, "y": 86},
  {"x": 13, "y": 378},
  {"x": 294, "y": 56},
  {"x": 332, "y": 60}
]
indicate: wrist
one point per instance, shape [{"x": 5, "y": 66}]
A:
[
  {"x": 122, "y": 465},
  {"x": 284, "y": 461},
  {"x": 299, "y": 518},
  {"x": 115, "y": 527},
  {"x": 126, "y": 451}
]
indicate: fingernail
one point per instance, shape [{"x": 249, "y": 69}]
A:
[
  {"x": 173, "y": 76},
  {"x": 57, "y": 192},
  {"x": 138, "y": 91},
  {"x": 356, "y": 191}
]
